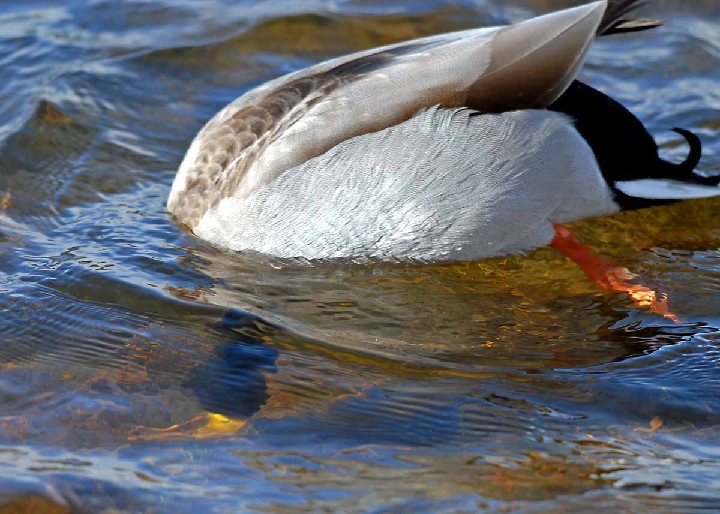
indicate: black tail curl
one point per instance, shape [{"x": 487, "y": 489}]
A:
[
  {"x": 693, "y": 158},
  {"x": 685, "y": 171}
]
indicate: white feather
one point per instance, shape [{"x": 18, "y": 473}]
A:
[
  {"x": 663, "y": 189},
  {"x": 446, "y": 184}
]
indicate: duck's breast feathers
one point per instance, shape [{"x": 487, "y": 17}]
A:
[{"x": 302, "y": 115}]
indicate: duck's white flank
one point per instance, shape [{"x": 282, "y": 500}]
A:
[{"x": 446, "y": 184}]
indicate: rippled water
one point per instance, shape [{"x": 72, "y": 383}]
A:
[{"x": 144, "y": 371}]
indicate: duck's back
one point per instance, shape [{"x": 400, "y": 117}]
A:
[
  {"x": 446, "y": 184},
  {"x": 292, "y": 119}
]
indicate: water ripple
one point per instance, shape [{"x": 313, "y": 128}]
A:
[{"x": 141, "y": 369}]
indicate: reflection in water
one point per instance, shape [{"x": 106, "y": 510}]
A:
[
  {"x": 142, "y": 370},
  {"x": 233, "y": 383}
]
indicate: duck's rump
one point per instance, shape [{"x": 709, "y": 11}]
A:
[{"x": 446, "y": 184}]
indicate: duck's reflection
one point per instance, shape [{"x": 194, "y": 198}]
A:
[
  {"x": 233, "y": 383},
  {"x": 341, "y": 336}
]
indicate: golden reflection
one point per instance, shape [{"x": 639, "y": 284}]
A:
[
  {"x": 32, "y": 504},
  {"x": 205, "y": 426},
  {"x": 655, "y": 424},
  {"x": 541, "y": 477},
  {"x": 5, "y": 202},
  {"x": 49, "y": 113},
  {"x": 312, "y": 34}
]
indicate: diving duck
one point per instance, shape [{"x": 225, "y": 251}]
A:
[{"x": 459, "y": 146}]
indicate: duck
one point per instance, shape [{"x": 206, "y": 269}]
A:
[{"x": 455, "y": 147}]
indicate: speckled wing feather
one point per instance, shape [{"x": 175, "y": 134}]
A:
[{"x": 294, "y": 118}]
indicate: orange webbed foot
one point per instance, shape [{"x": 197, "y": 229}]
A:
[{"x": 608, "y": 274}]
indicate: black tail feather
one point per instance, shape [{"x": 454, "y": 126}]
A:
[
  {"x": 625, "y": 26},
  {"x": 623, "y": 147},
  {"x": 614, "y": 23},
  {"x": 685, "y": 171},
  {"x": 615, "y": 11},
  {"x": 693, "y": 158}
]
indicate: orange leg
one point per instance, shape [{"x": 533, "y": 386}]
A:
[{"x": 606, "y": 272}]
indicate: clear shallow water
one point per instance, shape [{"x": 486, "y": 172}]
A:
[{"x": 144, "y": 371}]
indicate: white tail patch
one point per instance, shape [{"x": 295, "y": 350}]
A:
[{"x": 663, "y": 189}]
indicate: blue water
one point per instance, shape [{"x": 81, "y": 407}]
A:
[{"x": 142, "y": 370}]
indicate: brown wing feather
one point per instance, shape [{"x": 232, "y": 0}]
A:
[{"x": 229, "y": 145}]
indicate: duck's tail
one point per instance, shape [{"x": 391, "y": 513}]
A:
[
  {"x": 614, "y": 21},
  {"x": 671, "y": 181},
  {"x": 628, "y": 155},
  {"x": 685, "y": 171}
]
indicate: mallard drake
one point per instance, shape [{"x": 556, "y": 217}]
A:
[{"x": 459, "y": 146}]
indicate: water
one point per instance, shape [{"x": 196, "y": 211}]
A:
[{"x": 141, "y": 370}]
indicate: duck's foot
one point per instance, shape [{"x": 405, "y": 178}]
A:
[{"x": 607, "y": 273}]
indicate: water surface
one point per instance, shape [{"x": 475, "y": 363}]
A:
[{"x": 142, "y": 370}]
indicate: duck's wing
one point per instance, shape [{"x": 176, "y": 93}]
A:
[{"x": 300, "y": 116}]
